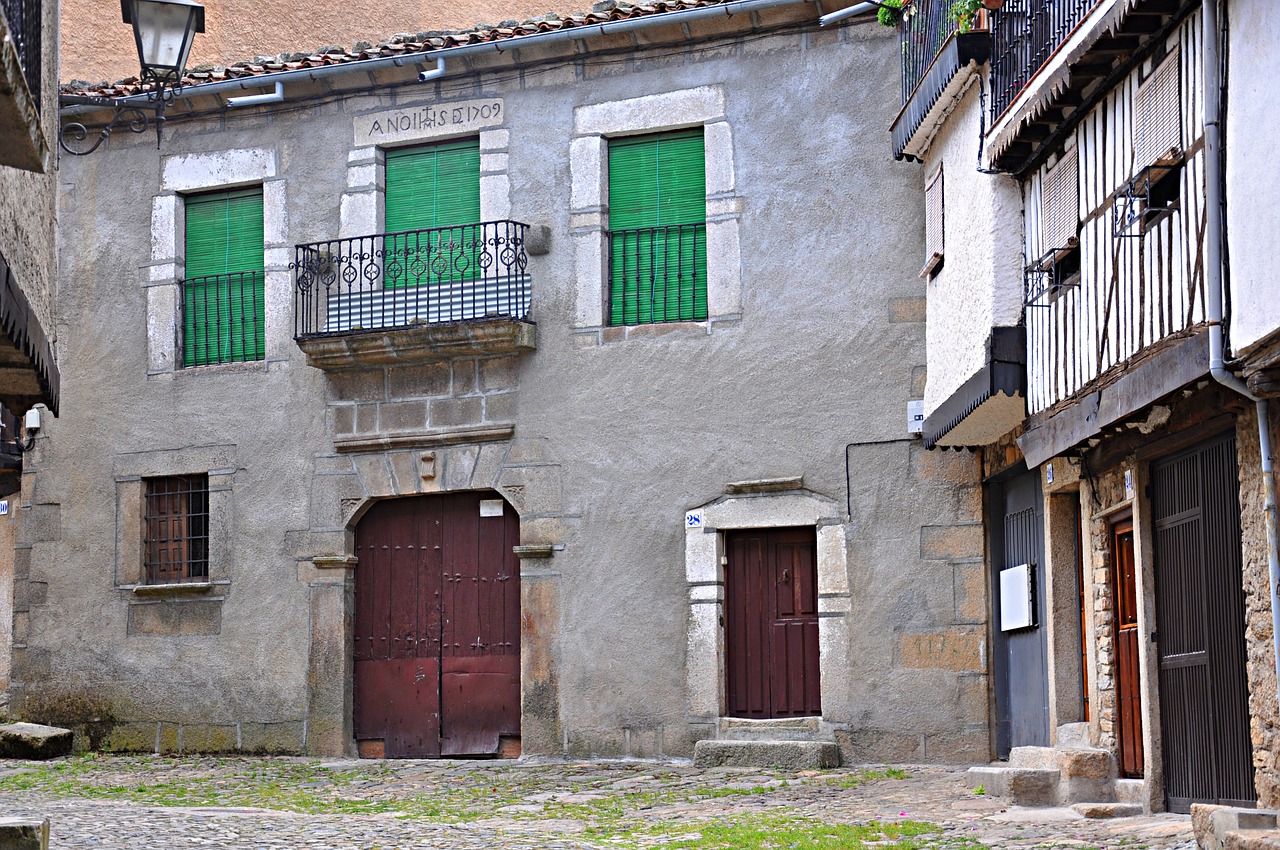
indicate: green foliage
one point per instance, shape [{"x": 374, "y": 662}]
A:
[
  {"x": 890, "y": 12},
  {"x": 963, "y": 13},
  {"x": 980, "y": 790}
]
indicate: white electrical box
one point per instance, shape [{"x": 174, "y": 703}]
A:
[
  {"x": 1017, "y": 598},
  {"x": 32, "y": 420},
  {"x": 915, "y": 416}
]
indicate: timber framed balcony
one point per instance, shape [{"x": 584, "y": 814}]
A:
[
  {"x": 1053, "y": 61},
  {"x": 22, "y": 142},
  {"x": 414, "y": 295},
  {"x": 934, "y": 54}
]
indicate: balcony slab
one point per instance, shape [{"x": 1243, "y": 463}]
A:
[{"x": 424, "y": 343}]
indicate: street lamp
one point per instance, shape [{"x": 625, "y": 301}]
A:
[{"x": 163, "y": 31}]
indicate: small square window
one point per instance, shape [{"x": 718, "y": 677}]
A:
[{"x": 176, "y": 529}]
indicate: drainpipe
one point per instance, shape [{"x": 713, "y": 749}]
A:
[
  {"x": 1214, "y": 182},
  {"x": 259, "y": 99}
]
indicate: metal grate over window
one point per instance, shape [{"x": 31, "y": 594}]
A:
[{"x": 176, "y": 520}]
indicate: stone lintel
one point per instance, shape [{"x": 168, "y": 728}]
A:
[
  {"x": 765, "y": 485},
  {"x": 419, "y": 344},
  {"x": 534, "y": 550},
  {"x": 334, "y": 562},
  {"x": 425, "y": 439}
]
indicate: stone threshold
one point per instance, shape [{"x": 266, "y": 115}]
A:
[{"x": 425, "y": 439}]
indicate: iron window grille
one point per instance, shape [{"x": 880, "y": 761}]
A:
[
  {"x": 658, "y": 274},
  {"x": 24, "y": 19},
  {"x": 223, "y": 318},
  {"x": 176, "y": 523}
]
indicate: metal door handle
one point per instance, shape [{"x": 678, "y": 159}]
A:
[{"x": 786, "y": 577}]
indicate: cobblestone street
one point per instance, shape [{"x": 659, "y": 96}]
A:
[{"x": 163, "y": 803}]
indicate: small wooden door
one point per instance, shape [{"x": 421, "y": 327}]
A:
[
  {"x": 1128, "y": 684},
  {"x": 771, "y": 619},
  {"x": 1204, "y": 693},
  {"x": 437, "y": 626}
]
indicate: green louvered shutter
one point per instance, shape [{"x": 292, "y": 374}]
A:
[
  {"x": 657, "y": 270},
  {"x": 437, "y": 186},
  {"x": 223, "y": 300}
]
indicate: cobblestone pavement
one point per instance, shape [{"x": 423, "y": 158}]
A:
[{"x": 247, "y": 803}]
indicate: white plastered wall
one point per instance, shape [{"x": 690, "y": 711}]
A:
[
  {"x": 593, "y": 125},
  {"x": 189, "y": 173},
  {"x": 704, "y": 573}
]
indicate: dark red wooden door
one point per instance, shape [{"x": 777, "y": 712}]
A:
[
  {"x": 771, "y": 620},
  {"x": 437, "y": 631},
  {"x": 1128, "y": 682}
]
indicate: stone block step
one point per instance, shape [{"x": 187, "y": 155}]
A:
[
  {"x": 1108, "y": 810},
  {"x": 779, "y": 754},
  {"x": 1034, "y": 758},
  {"x": 24, "y": 834},
  {"x": 33, "y": 741},
  {"x": 1131, "y": 791},
  {"x": 1023, "y": 786},
  {"x": 1252, "y": 839}
]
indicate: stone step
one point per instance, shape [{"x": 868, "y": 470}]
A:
[
  {"x": 1131, "y": 791},
  {"x": 1108, "y": 810},
  {"x": 1075, "y": 736},
  {"x": 33, "y": 741},
  {"x": 24, "y": 834},
  {"x": 777, "y": 754},
  {"x": 1252, "y": 839},
  {"x": 1034, "y": 758},
  {"x": 1022, "y": 786}
]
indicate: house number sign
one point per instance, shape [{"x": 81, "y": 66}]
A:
[{"x": 427, "y": 122}]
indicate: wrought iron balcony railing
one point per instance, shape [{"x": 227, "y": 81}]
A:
[
  {"x": 25, "y": 19},
  {"x": 1025, "y": 33},
  {"x": 223, "y": 318},
  {"x": 658, "y": 274},
  {"x": 921, "y": 35},
  {"x": 416, "y": 277}
]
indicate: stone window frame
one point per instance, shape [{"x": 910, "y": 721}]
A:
[
  {"x": 593, "y": 125},
  {"x": 217, "y": 464},
  {"x": 193, "y": 173},
  {"x": 704, "y": 561}
]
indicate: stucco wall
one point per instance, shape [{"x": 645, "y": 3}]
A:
[
  {"x": 98, "y": 46},
  {"x": 980, "y": 285},
  {"x": 617, "y": 434},
  {"x": 1252, "y": 180}
]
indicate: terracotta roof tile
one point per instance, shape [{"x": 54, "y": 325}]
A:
[{"x": 402, "y": 44}]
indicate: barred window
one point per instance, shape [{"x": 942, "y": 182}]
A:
[{"x": 176, "y": 522}]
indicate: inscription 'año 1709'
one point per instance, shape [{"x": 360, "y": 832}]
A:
[{"x": 427, "y": 121}]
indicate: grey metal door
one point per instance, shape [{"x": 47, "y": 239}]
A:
[
  {"x": 1204, "y": 696},
  {"x": 1020, "y": 658}
]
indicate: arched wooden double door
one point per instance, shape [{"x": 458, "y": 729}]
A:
[{"x": 437, "y": 626}]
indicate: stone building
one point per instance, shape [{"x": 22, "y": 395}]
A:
[
  {"x": 551, "y": 400},
  {"x": 28, "y": 175},
  {"x": 1093, "y": 317}
]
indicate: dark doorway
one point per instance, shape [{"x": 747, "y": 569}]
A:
[
  {"x": 1020, "y": 655},
  {"x": 771, "y": 622},
  {"x": 1128, "y": 684},
  {"x": 437, "y": 626},
  {"x": 1204, "y": 697}
]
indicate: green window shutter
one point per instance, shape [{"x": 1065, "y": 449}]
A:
[
  {"x": 657, "y": 228},
  {"x": 223, "y": 297},
  {"x": 437, "y": 186}
]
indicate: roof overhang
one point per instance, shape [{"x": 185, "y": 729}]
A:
[
  {"x": 28, "y": 374},
  {"x": 937, "y": 92},
  {"x": 988, "y": 405}
]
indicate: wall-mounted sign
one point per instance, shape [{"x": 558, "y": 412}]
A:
[
  {"x": 431, "y": 121},
  {"x": 491, "y": 507},
  {"x": 693, "y": 519},
  {"x": 1017, "y": 598},
  {"x": 4, "y": 507}
]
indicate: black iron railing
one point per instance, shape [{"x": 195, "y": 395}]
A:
[
  {"x": 223, "y": 318},
  {"x": 1025, "y": 33},
  {"x": 658, "y": 274},
  {"x": 25, "y": 19},
  {"x": 416, "y": 277},
  {"x": 922, "y": 35}
]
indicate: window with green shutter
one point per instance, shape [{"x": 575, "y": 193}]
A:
[
  {"x": 223, "y": 309},
  {"x": 657, "y": 228},
  {"x": 435, "y": 188}
]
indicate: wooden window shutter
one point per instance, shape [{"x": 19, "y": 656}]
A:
[
  {"x": 1158, "y": 114},
  {"x": 657, "y": 224},
  {"x": 224, "y": 299},
  {"x": 934, "y": 220},
  {"x": 1060, "y": 204}
]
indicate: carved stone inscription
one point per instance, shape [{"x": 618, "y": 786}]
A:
[{"x": 427, "y": 122}]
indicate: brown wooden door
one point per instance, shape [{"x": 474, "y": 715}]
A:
[
  {"x": 771, "y": 620},
  {"x": 437, "y": 630},
  {"x": 1204, "y": 696},
  {"x": 1128, "y": 685}
]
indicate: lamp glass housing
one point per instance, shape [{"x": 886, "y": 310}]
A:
[{"x": 163, "y": 30}]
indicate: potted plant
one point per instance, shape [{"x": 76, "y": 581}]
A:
[
  {"x": 891, "y": 12},
  {"x": 964, "y": 13}
]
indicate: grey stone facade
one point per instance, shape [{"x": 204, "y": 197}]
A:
[{"x": 602, "y": 439}]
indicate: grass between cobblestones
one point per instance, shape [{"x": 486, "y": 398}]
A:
[{"x": 592, "y": 803}]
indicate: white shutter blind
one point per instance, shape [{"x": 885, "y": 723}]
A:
[
  {"x": 934, "y": 235},
  {"x": 1060, "y": 203},
  {"x": 1158, "y": 113}
]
